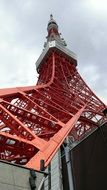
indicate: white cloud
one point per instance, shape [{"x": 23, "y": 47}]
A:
[
  {"x": 23, "y": 29},
  {"x": 100, "y": 6}
]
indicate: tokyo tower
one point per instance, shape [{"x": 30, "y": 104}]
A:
[{"x": 35, "y": 120}]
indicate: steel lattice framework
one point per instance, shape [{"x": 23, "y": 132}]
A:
[{"x": 35, "y": 120}]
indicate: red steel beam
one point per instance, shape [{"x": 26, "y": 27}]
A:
[{"x": 40, "y": 117}]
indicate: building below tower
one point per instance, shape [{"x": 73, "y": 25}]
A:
[{"x": 88, "y": 161}]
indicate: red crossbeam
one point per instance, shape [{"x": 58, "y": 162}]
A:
[{"x": 35, "y": 120}]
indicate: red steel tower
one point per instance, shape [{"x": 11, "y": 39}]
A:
[{"x": 35, "y": 120}]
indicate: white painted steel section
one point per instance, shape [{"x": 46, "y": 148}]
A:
[{"x": 56, "y": 45}]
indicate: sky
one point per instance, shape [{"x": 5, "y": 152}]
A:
[{"x": 23, "y": 28}]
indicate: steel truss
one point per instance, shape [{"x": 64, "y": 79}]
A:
[{"x": 35, "y": 120}]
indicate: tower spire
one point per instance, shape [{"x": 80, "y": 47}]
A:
[
  {"x": 53, "y": 33},
  {"x": 51, "y": 16},
  {"x": 52, "y": 27}
]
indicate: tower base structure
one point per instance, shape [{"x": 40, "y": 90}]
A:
[{"x": 89, "y": 168}]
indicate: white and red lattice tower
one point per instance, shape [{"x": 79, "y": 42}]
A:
[{"x": 35, "y": 120}]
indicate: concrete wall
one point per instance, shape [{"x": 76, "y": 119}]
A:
[
  {"x": 16, "y": 178},
  {"x": 54, "y": 180}
]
